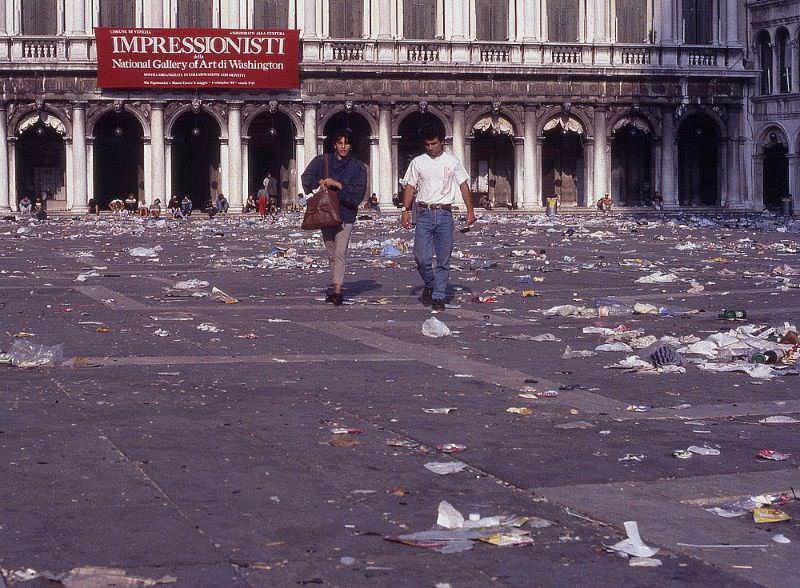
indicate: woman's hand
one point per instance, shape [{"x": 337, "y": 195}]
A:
[{"x": 330, "y": 183}]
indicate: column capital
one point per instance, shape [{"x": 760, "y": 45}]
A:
[
  {"x": 80, "y": 104},
  {"x": 157, "y": 105},
  {"x": 235, "y": 104}
]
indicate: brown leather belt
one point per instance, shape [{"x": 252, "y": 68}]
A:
[{"x": 434, "y": 206}]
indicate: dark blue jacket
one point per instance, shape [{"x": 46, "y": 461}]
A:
[{"x": 350, "y": 172}]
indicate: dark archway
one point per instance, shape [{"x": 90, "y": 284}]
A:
[
  {"x": 698, "y": 161},
  {"x": 196, "y": 157},
  {"x": 776, "y": 174},
  {"x": 118, "y": 158},
  {"x": 563, "y": 166},
  {"x": 410, "y": 143},
  {"x": 271, "y": 148},
  {"x": 41, "y": 163},
  {"x": 631, "y": 165},
  {"x": 493, "y": 168}
]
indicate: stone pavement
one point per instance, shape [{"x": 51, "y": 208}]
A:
[{"x": 187, "y": 438}]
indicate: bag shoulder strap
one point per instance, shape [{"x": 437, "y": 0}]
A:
[{"x": 327, "y": 173}]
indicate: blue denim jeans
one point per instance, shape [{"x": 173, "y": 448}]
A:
[{"x": 434, "y": 235}]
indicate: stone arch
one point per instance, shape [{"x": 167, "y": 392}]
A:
[
  {"x": 223, "y": 127},
  {"x": 24, "y": 113},
  {"x": 781, "y": 136},
  {"x": 797, "y": 143},
  {"x": 721, "y": 127},
  {"x": 356, "y": 109},
  {"x": 256, "y": 112},
  {"x": 476, "y": 116},
  {"x": 444, "y": 119},
  {"x": 92, "y": 121},
  {"x": 555, "y": 112},
  {"x": 633, "y": 115}
]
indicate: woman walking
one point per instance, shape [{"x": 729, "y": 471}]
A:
[{"x": 347, "y": 176}]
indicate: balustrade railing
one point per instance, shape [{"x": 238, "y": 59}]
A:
[{"x": 81, "y": 52}]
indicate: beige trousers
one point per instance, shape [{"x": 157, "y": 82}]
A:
[{"x": 337, "y": 240}]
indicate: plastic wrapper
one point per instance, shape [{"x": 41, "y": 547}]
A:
[
  {"x": 26, "y": 354},
  {"x": 433, "y": 327}
]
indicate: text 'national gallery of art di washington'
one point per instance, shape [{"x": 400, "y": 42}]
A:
[{"x": 695, "y": 100}]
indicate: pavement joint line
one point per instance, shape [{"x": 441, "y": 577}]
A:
[
  {"x": 194, "y": 524},
  {"x": 101, "y": 294},
  {"x": 481, "y": 371},
  {"x": 717, "y": 411},
  {"x": 80, "y": 361}
]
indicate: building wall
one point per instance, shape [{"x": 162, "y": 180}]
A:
[
  {"x": 776, "y": 113},
  {"x": 525, "y": 88}
]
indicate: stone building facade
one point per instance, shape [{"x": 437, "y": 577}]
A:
[
  {"x": 539, "y": 98},
  {"x": 775, "y": 43}
]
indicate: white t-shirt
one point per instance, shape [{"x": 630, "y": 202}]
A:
[{"x": 437, "y": 180}]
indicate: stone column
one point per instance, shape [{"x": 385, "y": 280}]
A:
[
  {"x": 234, "y": 22},
  {"x": 758, "y": 183},
  {"x": 386, "y": 183},
  {"x": 373, "y": 171},
  {"x": 310, "y": 131},
  {"x": 732, "y": 196},
  {"x": 5, "y": 195},
  {"x": 310, "y": 19},
  {"x": 668, "y": 160},
  {"x": 158, "y": 154},
  {"x": 600, "y": 156},
  {"x": 602, "y": 26},
  {"x": 732, "y": 23},
  {"x": 794, "y": 182},
  {"x": 157, "y": 21},
  {"x": 532, "y": 24},
  {"x": 78, "y": 18},
  {"x": 456, "y": 12},
  {"x": 79, "y": 200},
  {"x": 530, "y": 195},
  {"x": 235, "y": 156},
  {"x": 385, "y": 20},
  {"x": 2, "y": 18},
  {"x": 519, "y": 171},
  {"x": 667, "y": 32},
  {"x": 459, "y": 123}
]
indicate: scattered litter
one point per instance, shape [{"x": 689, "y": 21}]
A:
[
  {"x": 769, "y": 515},
  {"x": 697, "y": 450},
  {"x": 444, "y": 410},
  {"x": 779, "y": 420},
  {"x": 191, "y": 285},
  {"x": 433, "y": 327},
  {"x": 781, "y": 538},
  {"x": 221, "y": 296},
  {"x": 26, "y": 354},
  {"x": 520, "y": 410},
  {"x": 145, "y": 251},
  {"x": 633, "y": 545},
  {"x": 209, "y": 328},
  {"x": 773, "y": 455},
  {"x": 445, "y": 467}
]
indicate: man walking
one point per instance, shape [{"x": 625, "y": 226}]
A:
[{"x": 436, "y": 177}]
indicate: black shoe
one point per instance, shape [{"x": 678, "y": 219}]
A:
[
  {"x": 337, "y": 298},
  {"x": 438, "y": 305},
  {"x": 427, "y": 296},
  {"x": 329, "y": 296}
]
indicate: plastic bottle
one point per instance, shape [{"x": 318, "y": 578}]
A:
[
  {"x": 771, "y": 356},
  {"x": 733, "y": 314}
]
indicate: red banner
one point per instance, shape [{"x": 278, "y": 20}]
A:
[{"x": 174, "y": 59}]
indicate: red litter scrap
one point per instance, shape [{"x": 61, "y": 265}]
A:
[
  {"x": 487, "y": 299},
  {"x": 451, "y": 447},
  {"x": 773, "y": 455},
  {"x": 346, "y": 431}
]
